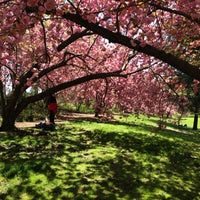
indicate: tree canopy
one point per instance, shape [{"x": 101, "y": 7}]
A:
[{"x": 138, "y": 48}]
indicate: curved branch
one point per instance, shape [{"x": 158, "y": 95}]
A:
[
  {"x": 72, "y": 38},
  {"x": 172, "y": 60},
  {"x": 56, "y": 66},
  {"x": 10, "y": 69},
  {"x": 31, "y": 99},
  {"x": 177, "y": 12},
  {"x": 164, "y": 81},
  {"x": 159, "y": 7},
  {"x": 136, "y": 71}
]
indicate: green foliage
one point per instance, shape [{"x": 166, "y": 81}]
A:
[
  {"x": 34, "y": 111},
  {"x": 121, "y": 160},
  {"x": 82, "y": 108}
]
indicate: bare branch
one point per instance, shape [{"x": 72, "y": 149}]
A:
[
  {"x": 93, "y": 43},
  {"x": 45, "y": 43},
  {"x": 130, "y": 57},
  {"x": 73, "y": 38},
  {"x": 117, "y": 19},
  {"x": 177, "y": 12},
  {"x": 169, "y": 86},
  {"x": 136, "y": 71}
]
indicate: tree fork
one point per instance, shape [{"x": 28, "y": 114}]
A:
[{"x": 13, "y": 108}]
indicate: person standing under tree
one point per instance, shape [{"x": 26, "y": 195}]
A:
[{"x": 52, "y": 108}]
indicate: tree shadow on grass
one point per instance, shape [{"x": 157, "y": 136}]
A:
[
  {"x": 73, "y": 164},
  {"x": 98, "y": 120},
  {"x": 179, "y": 132}
]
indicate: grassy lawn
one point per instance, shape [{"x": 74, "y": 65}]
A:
[{"x": 128, "y": 159}]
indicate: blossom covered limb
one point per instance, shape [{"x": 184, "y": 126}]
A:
[{"x": 174, "y": 61}]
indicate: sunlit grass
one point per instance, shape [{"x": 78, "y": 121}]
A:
[
  {"x": 128, "y": 159},
  {"x": 189, "y": 121}
]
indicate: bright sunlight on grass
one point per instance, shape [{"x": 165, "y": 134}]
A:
[{"x": 128, "y": 159}]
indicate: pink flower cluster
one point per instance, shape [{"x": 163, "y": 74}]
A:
[
  {"x": 49, "y": 4},
  {"x": 33, "y": 3}
]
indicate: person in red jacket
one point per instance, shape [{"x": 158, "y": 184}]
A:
[{"x": 52, "y": 108}]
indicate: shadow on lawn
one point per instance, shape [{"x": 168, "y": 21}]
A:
[
  {"x": 104, "y": 121},
  {"x": 180, "y": 132},
  {"x": 81, "y": 165}
]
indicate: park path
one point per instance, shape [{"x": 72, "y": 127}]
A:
[
  {"x": 65, "y": 117},
  {"x": 84, "y": 116}
]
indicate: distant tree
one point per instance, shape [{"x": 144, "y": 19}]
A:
[{"x": 192, "y": 90}]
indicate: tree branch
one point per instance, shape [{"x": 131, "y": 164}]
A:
[
  {"x": 5, "y": 2},
  {"x": 172, "y": 60},
  {"x": 177, "y": 12},
  {"x": 136, "y": 71},
  {"x": 31, "y": 99},
  {"x": 73, "y": 38},
  {"x": 45, "y": 43},
  {"x": 2, "y": 102}
]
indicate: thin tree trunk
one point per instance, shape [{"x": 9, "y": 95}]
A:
[{"x": 195, "y": 123}]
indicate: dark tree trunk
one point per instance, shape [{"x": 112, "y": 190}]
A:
[
  {"x": 97, "y": 111},
  {"x": 13, "y": 106},
  {"x": 195, "y": 123},
  {"x": 8, "y": 120}
]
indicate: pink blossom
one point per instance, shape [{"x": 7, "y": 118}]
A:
[
  {"x": 29, "y": 83},
  {"x": 133, "y": 43},
  {"x": 17, "y": 82},
  {"x": 35, "y": 74},
  {"x": 21, "y": 27},
  {"x": 59, "y": 12},
  {"x": 34, "y": 70},
  {"x": 32, "y": 3},
  {"x": 41, "y": 9},
  {"x": 143, "y": 44},
  {"x": 50, "y": 5}
]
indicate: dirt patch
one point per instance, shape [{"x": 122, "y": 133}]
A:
[
  {"x": 62, "y": 117},
  {"x": 25, "y": 124}
]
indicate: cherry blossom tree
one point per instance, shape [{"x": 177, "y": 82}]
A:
[{"x": 129, "y": 51}]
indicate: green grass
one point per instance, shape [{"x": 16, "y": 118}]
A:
[
  {"x": 189, "y": 121},
  {"x": 128, "y": 159}
]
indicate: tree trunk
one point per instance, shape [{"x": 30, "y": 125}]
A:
[
  {"x": 13, "y": 106},
  {"x": 195, "y": 123},
  {"x": 8, "y": 119}
]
